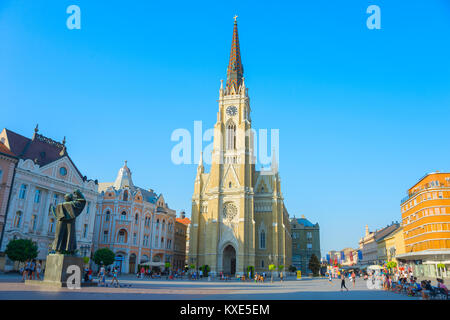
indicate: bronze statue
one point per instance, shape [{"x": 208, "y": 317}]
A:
[{"x": 66, "y": 213}]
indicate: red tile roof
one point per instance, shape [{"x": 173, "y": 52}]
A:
[
  {"x": 4, "y": 150},
  {"x": 185, "y": 221}
]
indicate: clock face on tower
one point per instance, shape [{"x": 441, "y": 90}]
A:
[{"x": 231, "y": 110}]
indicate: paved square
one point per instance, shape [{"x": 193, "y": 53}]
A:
[{"x": 11, "y": 287}]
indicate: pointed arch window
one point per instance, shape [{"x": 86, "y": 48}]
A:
[
  {"x": 107, "y": 216},
  {"x": 262, "y": 239},
  {"x": 231, "y": 135},
  {"x": 125, "y": 195}
]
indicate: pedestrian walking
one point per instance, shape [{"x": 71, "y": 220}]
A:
[
  {"x": 281, "y": 276},
  {"x": 38, "y": 269},
  {"x": 343, "y": 282},
  {"x": 102, "y": 275},
  {"x": 354, "y": 278},
  {"x": 115, "y": 277},
  {"x": 24, "y": 271},
  {"x": 330, "y": 278}
]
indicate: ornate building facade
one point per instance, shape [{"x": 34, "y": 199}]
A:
[
  {"x": 44, "y": 173},
  {"x": 135, "y": 223},
  {"x": 238, "y": 213}
]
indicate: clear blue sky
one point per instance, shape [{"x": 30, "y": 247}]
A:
[{"x": 362, "y": 114}]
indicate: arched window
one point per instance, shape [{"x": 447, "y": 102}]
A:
[
  {"x": 107, "y": 215},
  {"x": 125, "y": 195},
  {"x": 18, "y": 219},
  {"x": 122, "y": 236},
  {"x": 163, "y": 225},
  {"x": 123, "y": 216},
  {"x": 231, "y": 135},
  {"x": 136, "y": 218},
  {"x": 262, "y": 239}
]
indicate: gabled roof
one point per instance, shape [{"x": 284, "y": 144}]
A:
[
  {"x": 40, "y": 149},
  {"x": 5, "y": 151},
  {"x": 383, "y": 233}
]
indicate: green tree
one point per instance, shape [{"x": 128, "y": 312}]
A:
[
  {"x": 21, "y": 250},
  {"x": 391, "y": 265},
  {"x": 314, "y": 265},
  {"x": 272, "y": 268},
  {"x": 104, "y": 256},
  {"x": 167, "y": 265},
  {"x": 280, "y": 268},
  {"x": 292, "y": 268}
]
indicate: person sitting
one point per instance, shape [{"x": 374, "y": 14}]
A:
[
  {"x": 426, "y": 290},
  {"x": 442, "y": 288},
  {"x": 414, "y": 288}
]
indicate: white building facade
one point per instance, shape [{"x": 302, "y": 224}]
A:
[{"x": 38, "y": 183}]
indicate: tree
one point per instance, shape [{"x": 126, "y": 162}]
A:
[
  {"x": 314, "y": 265},
  {"x": 292, "y": 268},
  {"x": 272, "y": 268},
  {"x": 167, "y": 265},
  {"x": 391, "y": 265},
  {"x": 21, "y": 250},
  {"x": 280, "y": 268},
  {"x": 104, "y": 256}
]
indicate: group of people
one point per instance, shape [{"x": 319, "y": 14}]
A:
[
  {"x": 114, "y": 272},
  {"x": 31, "y": 270},
  {"x": 403, "y": 282}
]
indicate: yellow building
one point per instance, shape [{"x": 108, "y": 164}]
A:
[
  {"x": 238, "y": 214},
  {"x": 391, "y": 246},
  {"x": 426, "y": 225}
]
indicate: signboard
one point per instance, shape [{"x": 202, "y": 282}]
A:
[{"x": 299, "y": 275}]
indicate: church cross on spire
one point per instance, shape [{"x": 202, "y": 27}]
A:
[{"x": 235, "y": 70}]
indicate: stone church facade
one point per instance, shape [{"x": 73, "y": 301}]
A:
[{"x": 238, "y": 214}]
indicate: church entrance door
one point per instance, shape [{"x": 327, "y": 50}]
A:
[{"x": 229, "y": 260}]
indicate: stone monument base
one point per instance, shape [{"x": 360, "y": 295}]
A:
[{"x": 56, "y": 274}]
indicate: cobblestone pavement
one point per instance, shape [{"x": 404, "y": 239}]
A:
[{"x": 11, "y": 287}]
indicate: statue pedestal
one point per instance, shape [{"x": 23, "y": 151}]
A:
[{"x": 56, "y": 271}]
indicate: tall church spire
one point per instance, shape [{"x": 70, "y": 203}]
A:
[{"x": 235, "y": 70}]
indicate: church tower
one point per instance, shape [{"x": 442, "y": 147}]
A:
[{"x": 224, "y": 226}]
